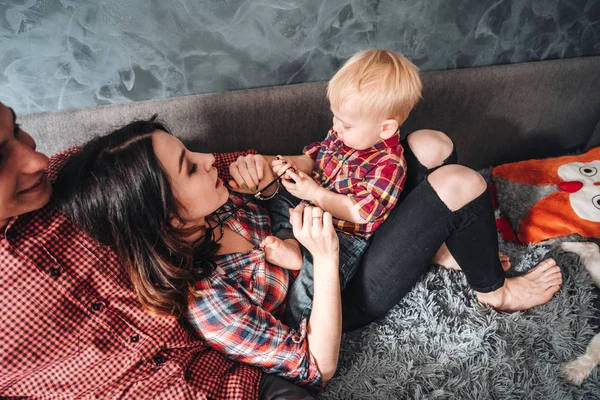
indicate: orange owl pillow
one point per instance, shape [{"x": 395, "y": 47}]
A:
[{"x": 545, "y": 199}]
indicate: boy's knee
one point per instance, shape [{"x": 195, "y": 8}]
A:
[
  {"x": 430, "y": 147},
  {"x": 457, "y": 185}
]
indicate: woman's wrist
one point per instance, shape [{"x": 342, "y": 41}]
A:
[
  {"x": 327, "y": 261},
  {"x": 317, "y": 197},
  {"x": 263, "y": 196},
  {"x": 270, "y": 191}
]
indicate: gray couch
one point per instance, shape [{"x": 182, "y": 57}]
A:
[{"x": 494, "y": 114}]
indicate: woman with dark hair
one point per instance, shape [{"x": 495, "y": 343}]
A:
[{"x": 191, "y": 249}]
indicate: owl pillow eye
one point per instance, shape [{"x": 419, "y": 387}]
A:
[
  {"x": 588, "y": 171},
  {"x": 596, "y": 201}
]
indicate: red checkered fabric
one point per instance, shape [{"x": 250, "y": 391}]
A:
[
  {"x": 371, "y": 178},
  {"x": 72, "y": 328},
  {"x": 240, "y": 302}
]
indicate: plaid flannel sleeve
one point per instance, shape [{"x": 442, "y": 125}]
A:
[
  {"x": 230, "y": 323},
  {"x": 378, "y": 192},
  {"x": 222, "y": 161},
  {"x": 312, "y": 150}
]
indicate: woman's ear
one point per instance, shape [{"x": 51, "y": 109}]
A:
[
  {"x": 388, "y": 128},
  {"x": 187, "y": 233},
  {"x": 176, "y": 222}
]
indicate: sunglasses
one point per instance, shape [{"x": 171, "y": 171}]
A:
[{"x": 258, "y": 195}]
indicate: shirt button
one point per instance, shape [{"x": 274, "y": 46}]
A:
[
  {"x": 340, "y": 156},
  {"x": 134, "y": 338},
  {"x": 54, "y": 272},
  {"x": 159, "y": 359},
  {"x": 97, "y": 306}
]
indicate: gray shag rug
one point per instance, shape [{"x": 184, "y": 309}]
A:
[{"x": 440, "y": 343}]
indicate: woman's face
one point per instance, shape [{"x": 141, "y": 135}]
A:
[{"x": 193, "y": 178}]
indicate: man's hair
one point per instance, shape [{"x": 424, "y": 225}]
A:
[{"x": 383, "y": 83}]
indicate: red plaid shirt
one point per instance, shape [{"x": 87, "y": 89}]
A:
[
  {"x": 371, "y": 178},
  {"x": 237, "y": 312},
  {"x": 71, "y": 326}
]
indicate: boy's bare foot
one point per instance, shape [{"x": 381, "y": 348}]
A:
[
  {"x": 283, "y": 253},
  {"x": 523, "y": 292},
  {"x": 444, "y": 258}
]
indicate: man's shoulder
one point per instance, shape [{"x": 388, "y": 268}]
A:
[
  {"x": 45, "y": 223},
  {"x": 58, "y": 161}
]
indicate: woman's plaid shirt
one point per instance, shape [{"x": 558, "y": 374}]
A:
[
  {"x": 70, "y": 325},
  {"x": 371, "y": 178},
  {"x": 239, "y": 304}
]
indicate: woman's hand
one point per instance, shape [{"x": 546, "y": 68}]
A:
[
  {"x": 250, "y": 174},
  {"x": 314, "y": 229}
]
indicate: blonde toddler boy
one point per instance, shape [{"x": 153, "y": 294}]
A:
[{"x": 356, "y": 173}]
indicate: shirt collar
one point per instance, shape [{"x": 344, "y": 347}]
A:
[
  {"x": 4, "y": 230},
  {"x": 388, "y": 143}
]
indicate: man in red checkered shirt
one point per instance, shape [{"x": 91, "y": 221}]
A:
[
  {"x": 358, "y": 171},
  {"x": 70, "y": 324}
]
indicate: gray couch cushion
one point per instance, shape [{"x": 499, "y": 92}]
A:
[
  {"x": 495, "y": 114},
  {"x": 513, "y": 112},
  {"x": 594, "y": 140}
]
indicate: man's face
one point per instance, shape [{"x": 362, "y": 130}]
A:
[{"x": 24, "y": 186}]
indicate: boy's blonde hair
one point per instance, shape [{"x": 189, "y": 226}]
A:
[{"x": 384, "y": 83}]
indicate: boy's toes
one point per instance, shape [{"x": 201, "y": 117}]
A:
[{"x": 505, "y": 261}]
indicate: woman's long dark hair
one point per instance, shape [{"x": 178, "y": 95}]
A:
[{"x": 116, "y": 190}]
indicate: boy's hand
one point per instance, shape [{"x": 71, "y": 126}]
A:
[
  {"x": 280, "y": 165},
  {"x": 303, "y": 186},
  {"x": 250, "y": 174}
]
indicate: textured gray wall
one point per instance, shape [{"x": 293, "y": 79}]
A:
[{"x": 57, "y": 54}]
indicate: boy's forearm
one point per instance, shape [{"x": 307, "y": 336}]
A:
[
  {"x": 303, "y": 162},
  {"x": 269, "y": 159},
  {"x": 339, "y": 205}
]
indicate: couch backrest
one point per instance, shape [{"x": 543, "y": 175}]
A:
[
  {"x": 494, "y": 114},
  {"x": 513, "y": 112}
]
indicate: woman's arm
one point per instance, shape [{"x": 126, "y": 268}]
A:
[
  {"x": 314, "y": 229},
  {"x": 325, "y": 323},
  {"x": 230, "y": 323},
  {"x": 233, "y": 325}
]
